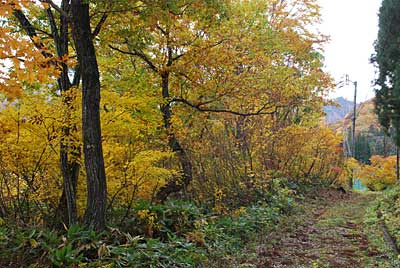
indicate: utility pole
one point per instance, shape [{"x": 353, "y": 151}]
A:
[
  {"x": 391, "y": 134},
  {"x": 397, "y": 165},
  {"x": 354, "y": 119},
  {"x": 353, "y": 136},
  {"x": 353, "y": 140}
]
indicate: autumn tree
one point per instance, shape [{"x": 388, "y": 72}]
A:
[
  {"x": 25, "y": 63},
  {"x": 161, "y": 34},
  {"x": 18, "y": 55},
  {"x": 246, "y": 59},
  {"x": 56, "y": 24},
  {"x": 59, "y": 32}
]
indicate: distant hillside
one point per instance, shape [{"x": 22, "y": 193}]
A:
[
  {"x": 368, "y": 131},
  {"x": 366, "y": 120},
  {"x": 336, "y": 113}
]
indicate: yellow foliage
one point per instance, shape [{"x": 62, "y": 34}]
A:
[
  {"x": 260, "y": 58},
  {"x": 30, "y": 134},
  {"x": 380, "y": 173},
  {"x": 350, "y": 169}
]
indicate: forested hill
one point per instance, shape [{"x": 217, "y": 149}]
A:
[
  {"x": 370, "y": 138},
  {"x": 337, "y": 112}
]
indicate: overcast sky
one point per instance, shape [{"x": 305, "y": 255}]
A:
[{"x": 353, "y": 27}]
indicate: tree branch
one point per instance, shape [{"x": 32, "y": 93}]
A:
[
  {"x": 53, "y": 27},
  {"x": 44, "y": 32},
  {"x": 215, "y": 44},
  {"x": 137, "y": 54},
  {"x": 55, "y": 6},
  {"x": 164, "y": 32},
  {"x": 31, "y": 31},
  {"x": 99, "y": 25},
  {"x": 177, "y": 57},
  {"x": 77, "y": 76},
  {"x": 212, "y": 110}
]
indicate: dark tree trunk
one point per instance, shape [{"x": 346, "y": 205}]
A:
[
  {"x": 70, "y": 171},
  {"x": 66, "y": 210},
  {"x": 92, "y": 147},
  {"x": 68, "y": 156},
  {"x": 174, "y": 185}
]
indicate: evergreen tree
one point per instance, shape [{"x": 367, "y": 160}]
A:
[{"x": 387, "y": 58}]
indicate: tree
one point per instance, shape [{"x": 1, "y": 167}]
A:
[
  {"x": 87, "y": 71},
  {"x": 245, "y": 59},
  {"x": 387, "y": 59},
  {"x": 379, "y": 174},
  {"x": 69, "y": 153},
  {"x": 53, "y": 21},
  {"x": 20, "y": 55},
  {"x": 44, "y": 60},
  {"x": 92, "y": 145},
  {"x": 161, "y": 34}
]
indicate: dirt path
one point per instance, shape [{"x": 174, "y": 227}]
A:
[{"x": 328, "y": 233}]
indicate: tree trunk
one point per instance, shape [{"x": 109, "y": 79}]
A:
[
  {"x": 92, "y": 147},
  {"x": 68, "y": 158},
  {"x": 66, "y": 210},
  {"x": 174, "y": 185},
  {"x": 67, "y": 205}
]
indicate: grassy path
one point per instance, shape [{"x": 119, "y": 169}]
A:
[{"x": 330, "y": 232}]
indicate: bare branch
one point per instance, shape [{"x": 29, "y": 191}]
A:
[
  {"x": 215, "y": 44},
  {"x": 177, "y": 57},
  {"x": 77, "y": 76},
  {"x": 164, "y": 32}
]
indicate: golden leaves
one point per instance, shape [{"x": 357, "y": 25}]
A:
[
  {"x": 380, "y": 173},
  {"x": 30, "y": 135}
]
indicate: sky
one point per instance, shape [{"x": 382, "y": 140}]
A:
[{"x": 353, "y": 27}]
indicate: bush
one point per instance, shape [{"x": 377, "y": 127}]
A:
[
  {"x": 380, "y": 174},
  {"x": 160, "y": 220},
  {"x": 179, "y": 234}
]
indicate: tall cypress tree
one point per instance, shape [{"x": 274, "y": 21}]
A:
[{"x": 387, "y": 58}]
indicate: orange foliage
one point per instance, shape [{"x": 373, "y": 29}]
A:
[{"x": 21, "y": 62}]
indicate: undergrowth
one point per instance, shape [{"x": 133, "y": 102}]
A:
[
  {"x": 175, "y": 234},
  {"x": 388, "y": 205}
]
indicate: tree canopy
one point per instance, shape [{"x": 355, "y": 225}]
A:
[{"x": 109, "y": 103}]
